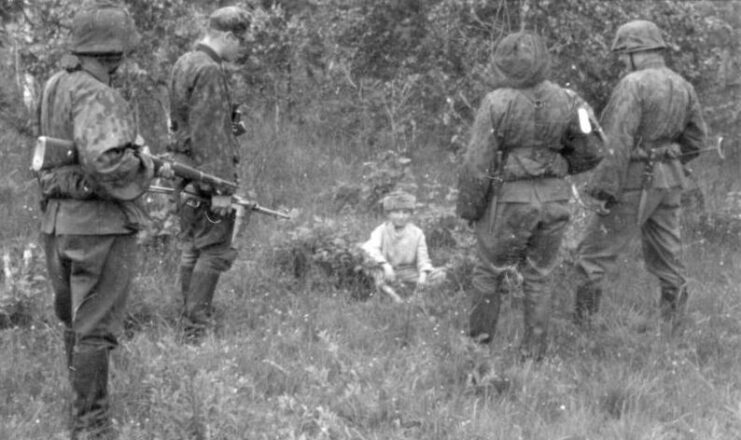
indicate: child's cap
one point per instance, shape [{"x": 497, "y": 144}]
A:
[{"x": 399, "y": 200}]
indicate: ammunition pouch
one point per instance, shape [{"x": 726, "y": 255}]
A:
[{"x": 473, "y": 196}]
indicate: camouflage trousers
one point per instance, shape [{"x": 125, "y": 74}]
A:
[
  {"x": 607, "y": 236},
  {"x": 525, "y": 236}
]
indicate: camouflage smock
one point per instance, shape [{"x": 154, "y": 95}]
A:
[
  {"x": 652, "y": 107},
  {"x": 78, "y": 104},
  {"x": 649, "y": 108},
  {"x": 535, "y": 128},
  {"x": 201, "y": 114}
]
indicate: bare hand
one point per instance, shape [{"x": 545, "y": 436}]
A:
[
  {"x": 422, "y": 280},
  {"x": 388, "y": 273},
  {"x": 166, "y": 171},
  {"x": 221, "y": 205}
]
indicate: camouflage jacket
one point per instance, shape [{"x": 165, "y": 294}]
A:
[
  {"x": 201, "y": 114},
  {"x": 78, "y": 104},
  {"x": 537, "y": 131},
  {"x": 650, "y": 108}
]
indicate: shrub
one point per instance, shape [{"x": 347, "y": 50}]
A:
[{"x": 24, "y": 288}]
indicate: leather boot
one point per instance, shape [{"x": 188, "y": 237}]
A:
[
  {"x": 536, "y": 306},
  {"x": 672, "y": 307},
  {"x": 484, "y": 316},
  {"x": 186, "y": 274},
  {"x": 198, "y": 303},
  {"x": 90, "y": 418},
  {"x": 586, "y": 303},
  {"x": 534, "y": 343}
]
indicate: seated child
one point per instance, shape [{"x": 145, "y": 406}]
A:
[{"x": 397, "y": 249}]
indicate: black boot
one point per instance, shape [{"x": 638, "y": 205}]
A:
[
  {"x": 186, "y": 274},
  {"x": 198, "y": 301},
  {"x": 536, "y": 310},
  {"x": 89, "y": 379},
  {"x": 672, "y": 307},
  {"x": 586, "y": 303},
  {"x": 484, "y": 316},
  {"x": 534, "y": 343}
]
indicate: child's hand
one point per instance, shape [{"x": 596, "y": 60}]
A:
[
  {"x": 422, "y": 279},
  {"x": 388, "y": 273}
]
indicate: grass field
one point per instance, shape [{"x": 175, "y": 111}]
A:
[{"x": 302, "y": 360}]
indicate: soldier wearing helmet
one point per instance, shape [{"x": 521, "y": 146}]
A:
[
  {"x": 654, "y": 125},
  {"x": 201, "y": 114},
  {"x": 102, "y": 28},
  {"x": 90, "y": 214},
  {"x": 525, "y": 140},
  {"x": 638, "y": 36}
]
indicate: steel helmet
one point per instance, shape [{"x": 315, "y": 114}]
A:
[
  {"x": 102, "y": 27},
  {"x": 636, "y": 36}
]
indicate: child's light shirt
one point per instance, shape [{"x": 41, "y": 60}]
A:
[{"x": 403, "y": 249}]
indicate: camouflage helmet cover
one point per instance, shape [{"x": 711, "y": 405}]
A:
[
  {"x": 399, "y": 200},
  {"x": 521, "y": 60},
  {"x": 102, "y": 27},
  {"x": 636, "y": 36}
]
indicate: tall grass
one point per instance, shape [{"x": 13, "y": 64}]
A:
[{"x": 302, "y": 360}]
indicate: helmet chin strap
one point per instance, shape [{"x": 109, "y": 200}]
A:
[{"x": 632, "y": 62}]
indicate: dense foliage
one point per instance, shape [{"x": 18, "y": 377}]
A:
[{"x": 400, "y": 72}]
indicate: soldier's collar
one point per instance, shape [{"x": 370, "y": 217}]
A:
[
  {"x": 96, "y": 69},
  {"x": 208, "y": 50},
  {"x": 651, "y": 61}
]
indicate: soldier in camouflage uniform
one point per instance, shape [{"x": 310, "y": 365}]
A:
[
  {"x": 654, "y": 125},
  {"x": 201, "y": 114},
  {"x": 526, "y": 138},
  {"x": 89, "y": 211}
]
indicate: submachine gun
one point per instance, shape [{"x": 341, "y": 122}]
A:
[{"x": 52, "y": 152}]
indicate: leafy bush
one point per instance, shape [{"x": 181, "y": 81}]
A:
[
  {"x": 321, "y": 254},
  {"x": 391, "y": 170}
]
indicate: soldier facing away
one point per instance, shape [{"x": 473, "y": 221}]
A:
[
  {"x": 526, "y": 138},
  {"x": 201, "y": 114},
  {"x": 89, "y": 211},
  {"x": 654, "y": 125}
]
